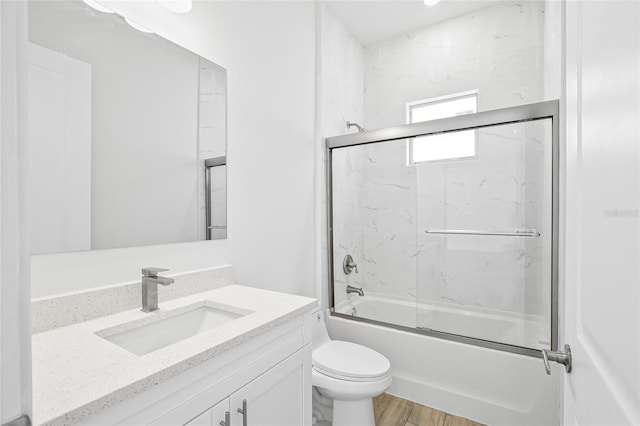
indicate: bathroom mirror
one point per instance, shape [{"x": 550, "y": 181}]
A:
[{"x": 121, "y": 123}]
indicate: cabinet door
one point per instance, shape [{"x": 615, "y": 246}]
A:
[
  {"x": 218, "y": 413},
  {"x": 203, "y": 419},
  {"x": 191, "y": 414},
  {"x": 279, "y": 397}
]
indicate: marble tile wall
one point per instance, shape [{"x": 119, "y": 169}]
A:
[
  {"x": 382, "y": 206},
  {"x": 389, "y": 210},
  {"x": 496, "y": 50},
  {"x": 504, "y": 189},
  {"x": 341, "y": 100},
  {"x": 348, "y": 220}
]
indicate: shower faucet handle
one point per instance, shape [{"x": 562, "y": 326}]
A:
[{"x": 349, "y": 265}]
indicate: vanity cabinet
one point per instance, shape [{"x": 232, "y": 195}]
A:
[
  {"x": 271, "y": 372},
  {"x": 275, "y": 398}
]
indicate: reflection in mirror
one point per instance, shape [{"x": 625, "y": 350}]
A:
[
  {"x": 120, "y": 124},
  {"x": 216, "y": 202}
]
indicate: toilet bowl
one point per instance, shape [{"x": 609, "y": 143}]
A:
[{"x": 347, "y": 373}]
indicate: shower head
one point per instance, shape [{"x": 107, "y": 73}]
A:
[{"x": 359, "y": 127}]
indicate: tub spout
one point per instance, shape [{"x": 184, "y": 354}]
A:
[{"x": 352, "y": 289}]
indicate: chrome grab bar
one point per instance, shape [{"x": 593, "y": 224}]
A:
[
  {"x": 560, "y": 357},
  {"x": 529, "y": 233}
]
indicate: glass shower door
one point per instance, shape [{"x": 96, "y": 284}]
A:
[
  {"x": 484, "y": 236},
  {"x": 373, "y": 194}
]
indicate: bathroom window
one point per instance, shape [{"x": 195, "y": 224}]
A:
[{"x": 447, "y": 146}]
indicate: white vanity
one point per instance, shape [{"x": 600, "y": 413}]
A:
[{"x": 252, "y": 362}]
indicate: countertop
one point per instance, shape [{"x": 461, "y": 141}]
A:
[{"x": 76, "y": 373}]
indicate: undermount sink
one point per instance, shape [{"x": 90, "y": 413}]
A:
[{"x": 156, "y": 335}]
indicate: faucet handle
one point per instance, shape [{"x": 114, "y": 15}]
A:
[
  {"x": 152, "y": 272},
  {"x": 349, "y": 265}
]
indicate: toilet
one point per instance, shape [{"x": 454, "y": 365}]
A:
[{"x": 347, "y": 374}]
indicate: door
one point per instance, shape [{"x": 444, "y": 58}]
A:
[
  {"x": 602, "y": 309},
  {"x": 15, "y": 295},
  {"x": 279, "y": 397},
  {"x": 59, "y": 152},
  {"x": 218, "y": 413}
]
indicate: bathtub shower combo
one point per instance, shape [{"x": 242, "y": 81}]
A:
[{"x": 443, "y": 239}]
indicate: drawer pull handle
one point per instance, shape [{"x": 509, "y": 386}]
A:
[
  {"x": 227, "y": 419},
  {"x": 243, "y": 411}
]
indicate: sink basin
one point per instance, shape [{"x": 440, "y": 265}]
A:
[{"x": 153, "y": 336}]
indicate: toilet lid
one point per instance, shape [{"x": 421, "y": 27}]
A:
[{"x": 350, "y": 361}]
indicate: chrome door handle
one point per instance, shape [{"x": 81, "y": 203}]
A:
[
  {"x": 560, "y": 357},
  {"x": 243, "y": 411},
  {"x": 227, "y": 419},
  {"x": 531, "y": 233}
]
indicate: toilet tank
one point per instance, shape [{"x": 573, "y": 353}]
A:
[{"x": 319, "y": 333}]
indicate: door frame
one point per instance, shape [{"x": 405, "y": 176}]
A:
[{"x": 15, "y": 284}]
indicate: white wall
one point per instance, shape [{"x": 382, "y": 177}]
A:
[
  {"x": 15, "y": 319},
  {"x": 268, "y": 51}
]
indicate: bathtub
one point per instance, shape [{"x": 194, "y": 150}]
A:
[
  {"x": 528, "y": 331},
  {"x": 485, "y": 385}
]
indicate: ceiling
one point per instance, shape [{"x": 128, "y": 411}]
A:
[{"x": 374, "y": 21}]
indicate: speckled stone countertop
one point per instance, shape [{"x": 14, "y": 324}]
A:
[{"x": 76, "y": 373}]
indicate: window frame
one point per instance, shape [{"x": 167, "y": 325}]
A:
[{"x": 434, "y": 101}]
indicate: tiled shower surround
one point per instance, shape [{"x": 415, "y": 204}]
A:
[
  {"x": 498, "y": 51},
  {"x": 382, "y": 205}
]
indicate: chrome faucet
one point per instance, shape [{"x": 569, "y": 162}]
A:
[
  {"x": 150, "y": 281},
  {"x": 352, "y": 289}
]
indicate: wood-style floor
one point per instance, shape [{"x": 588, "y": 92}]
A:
[{"x": 393, "y": 411}]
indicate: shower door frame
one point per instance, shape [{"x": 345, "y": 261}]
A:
[
  {"x": 209, "y": 163},
  {"x": 516, "y": 114}
]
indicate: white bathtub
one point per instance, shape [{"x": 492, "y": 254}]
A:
[
  {"x": 486, "y": 385},
  {"x": 528, "y": 331}
]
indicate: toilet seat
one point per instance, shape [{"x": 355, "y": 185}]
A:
[{"x": 350, "y": 361}]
